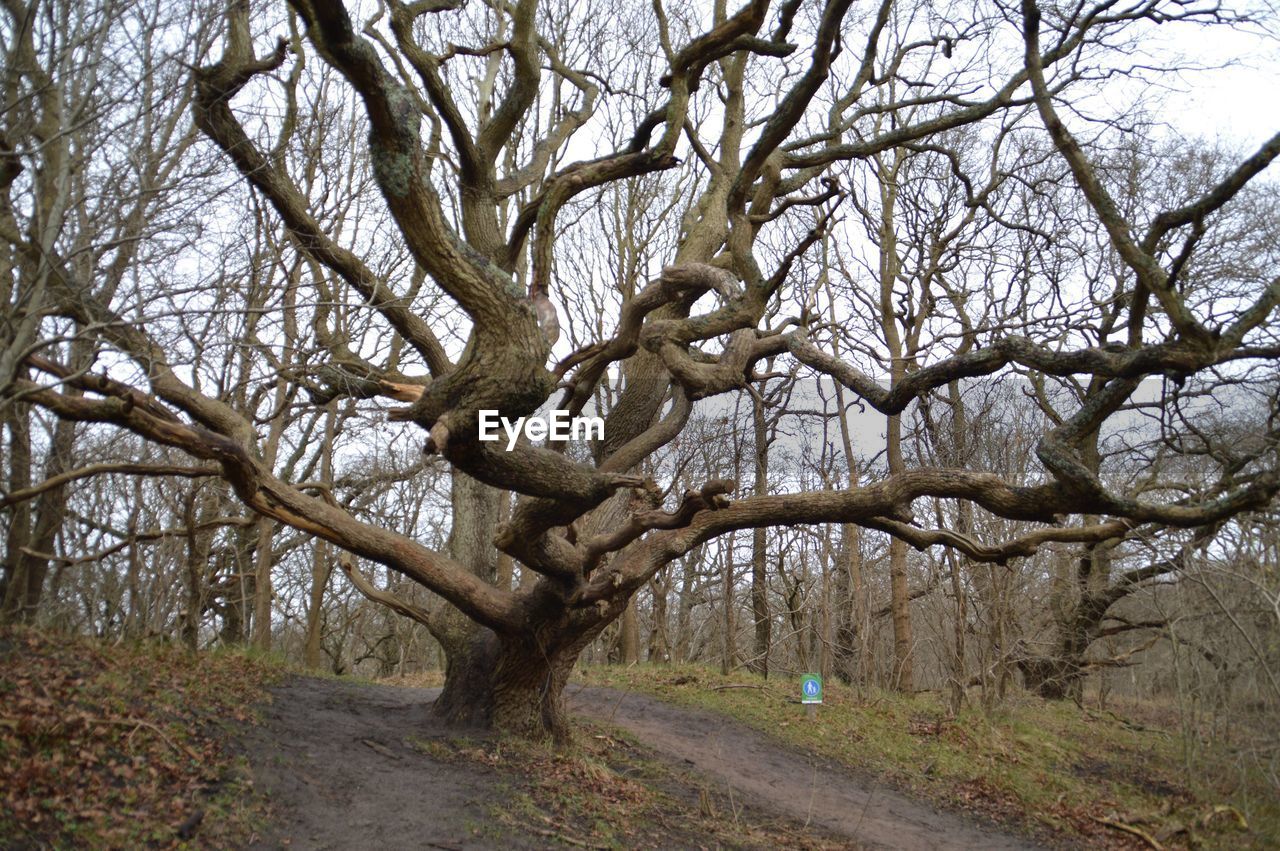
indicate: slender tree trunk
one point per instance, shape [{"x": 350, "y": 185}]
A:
[
  {"x": 958, "y": 677},
  {"x": 823, "y": 634},
  {"x": 471, "y": 651},
  {"x": 196, "y": 570},
  {"x": 900, "y": 593},
  {"x": 262, "y": 586},
  {"x": 956, "y": 561},
  {"x": 629, "y": 635},
  {"x": 320, "y": 570},
  {"x": 759, "y": 549},
  {"x": 506, "y": 565},
  {"x": 321, "y": 567},
  {"x": 727, "y": 649},
  {"x": 263, "y": 560},
  {"x": 684, "y": 616},
  {"x": 134, "y": 616},
  {"x": 17, "y": 423},
  {"x": 850, "y": 644},
  {"x": 240, "y": 592},
  {"x": 659, "y": 641},
  {"x": 795, "y": 613},
  {"x": 900, "y": 599}
]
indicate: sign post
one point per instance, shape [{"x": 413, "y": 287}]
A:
[{"x": 811, "y": 693}]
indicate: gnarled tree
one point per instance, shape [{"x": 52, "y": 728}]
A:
[{"x": 485, "y": 125}]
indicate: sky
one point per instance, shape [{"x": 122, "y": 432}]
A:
[{"x": 1239, "y": 102}]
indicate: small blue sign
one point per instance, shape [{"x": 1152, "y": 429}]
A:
[{"x": 811, "y": 688}]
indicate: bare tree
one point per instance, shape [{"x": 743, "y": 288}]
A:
[{"x": 479, "y": 125}]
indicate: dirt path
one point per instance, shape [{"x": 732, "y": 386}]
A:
[
  {"x": 337, "y": 764},
  {"x": 786, "y": 780},
  {"x": 333, "y": 760}
]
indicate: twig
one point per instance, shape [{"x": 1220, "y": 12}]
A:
[
  {"x": 380, "y": 748},
  {"x": 136, "y": 723},
  {"x": 1130, "y": 829},
  {"x": 564, "y": 837},
  {"x": 558, "y": 835},
  {"x": 1225, "y": 809}
]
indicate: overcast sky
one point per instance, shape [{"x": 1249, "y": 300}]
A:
[{"x": 1240, "y": 102}]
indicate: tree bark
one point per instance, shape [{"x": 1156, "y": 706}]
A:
[{"x": 515, "y": 683}]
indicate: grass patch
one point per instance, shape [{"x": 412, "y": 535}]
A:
[
  {"x": 123, "y": 745},
  {"x": 1038, "y": 765}
]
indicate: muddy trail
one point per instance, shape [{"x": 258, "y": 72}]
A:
[{"x": 347, "y": 765}]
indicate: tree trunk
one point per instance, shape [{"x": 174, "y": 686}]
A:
[
  {"x": 659, "y": 642},
  {"x": 25, "y": 586},
  {"x": 903, "y": 678},
  {"x": 727, "y": 648},
  {"x": 1061, "y": 675},
  {"x": 849, "y": 663},
  {"x": 851, "y": 645},
  {"x": 959, "y": 680},
  {"x": 515, "y": 684},
  {"x": 1052, "y": 678},
  {"x": 889, "y": 317},
  {"x": 629, "y": 635},
  {"x": 320, "y": 570},
  {"x": 17, "y": 420},
  {"x": 759, "y": 550},
  {"x": 262, "y": 586},
  {"x": 1079, "y": 608},
  {"x": 684, "y": 614},
  {"x": 134, "y": 616},
  {"x": 197, "y": 567},
  {"x": 239, "y": 591}
]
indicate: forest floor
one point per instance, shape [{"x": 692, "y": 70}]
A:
[
  {"x": 355, "y": 765},
  {"x": 124, "y": 745},
  {"x": 150, "y": 746},
  {"x": 348, "y": 765}
]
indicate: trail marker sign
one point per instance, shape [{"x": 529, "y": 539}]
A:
[{"x": 810, "y": 688}]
